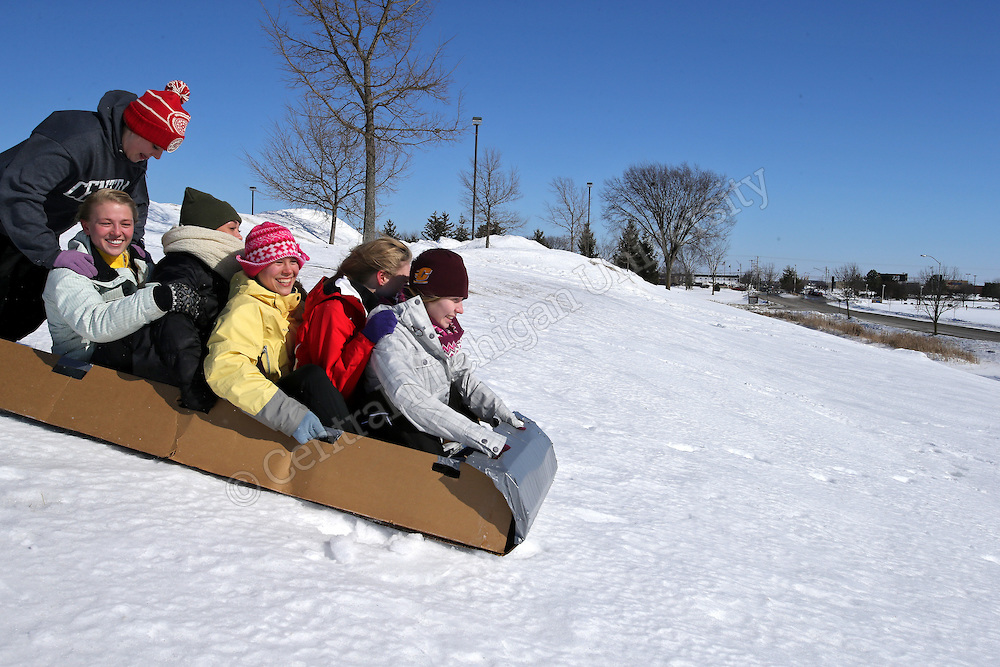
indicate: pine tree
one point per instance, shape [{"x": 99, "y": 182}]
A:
[
  {"x": 437, "y": 226},
  {"x": 461, "y": 231},
  {"x": 587, "y": 244},
  {"x": 539, "y": 237},
  {"x": 637, "y": 254},
  {"x": 389, "y": 229}
]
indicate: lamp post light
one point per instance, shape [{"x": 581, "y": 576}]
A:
[
  {"x": 940, "y": 279},
  {"x": 253, "y": 189},
  {"x": 476, "y": 120},
  {"x": 940, "y": 273},
  {"x": 589, "y": 185}
]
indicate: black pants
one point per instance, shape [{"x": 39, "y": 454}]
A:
[
  {"x": 382, "y": 421},
  {"x": 310, "y": 386},
  {"x": 21, "y": 284}
]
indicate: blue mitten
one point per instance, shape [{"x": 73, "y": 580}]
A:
[
  {"x": 75, "y": 260},
  {"x": 379, "y": 325},
  {"x": 309, "y": 428}
]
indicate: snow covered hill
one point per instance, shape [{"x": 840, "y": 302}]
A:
[{"x": 732, "y": 489}]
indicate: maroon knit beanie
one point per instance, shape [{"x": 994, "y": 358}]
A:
[
  {"x": 158, "y": 116},
  {"x": 268, "y": 242},
  {"x": 439, "y": 272}
]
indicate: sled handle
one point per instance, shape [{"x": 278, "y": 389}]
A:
[
  {"x": 448, "y": 467},
  {"x": 73, "y": 368}
]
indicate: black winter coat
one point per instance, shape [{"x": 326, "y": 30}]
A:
[
  {"x": 70, "y": 155},
  {"x": 172, "y": 349}
]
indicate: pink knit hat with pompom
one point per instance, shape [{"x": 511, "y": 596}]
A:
[{"x": 266, "y": 243}]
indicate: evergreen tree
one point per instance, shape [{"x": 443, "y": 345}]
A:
[
  {"x": 461, "y": 231},
  {"x": 540, "y": 238},
  {"x": 789, "y": 280},
  {"x": 437, "y": 226},
  {"x": 637, "y": 254},
  {"x": 587, "y": 244},
  {"x": 389, "y": 229}
]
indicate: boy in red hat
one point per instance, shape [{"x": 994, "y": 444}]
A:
[{"x": 45, "y": 178}]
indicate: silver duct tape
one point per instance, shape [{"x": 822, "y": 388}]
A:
[{"x": 523, "y": 474}]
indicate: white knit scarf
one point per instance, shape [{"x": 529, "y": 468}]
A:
[{"x": 217, "y": 249}]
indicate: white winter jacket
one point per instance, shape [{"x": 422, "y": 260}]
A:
[
  {"x": 416, "y": 375},
  {"x": 83, "y": 311}
]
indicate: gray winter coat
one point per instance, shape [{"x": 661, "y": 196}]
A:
[
  {"x": 84, "y": 311},
  {"x": 416, "y": 375}
]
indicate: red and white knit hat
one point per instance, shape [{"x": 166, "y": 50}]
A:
[
  {"x": 266, "y": 243},
  {"x": 158, "y": 116}
]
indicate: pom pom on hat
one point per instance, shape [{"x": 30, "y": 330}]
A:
[
  {"x": 201, "y": 209},
  {"x": 268, "y": 242},
  {"x": 158, "y": 116},
  {"x": 439, "y": 272}
]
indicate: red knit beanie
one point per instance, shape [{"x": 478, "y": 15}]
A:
[
  {"x": 266, "y": 243},
  {"x": 158, "y": 116},
  {"x": 439, "y": 272}
]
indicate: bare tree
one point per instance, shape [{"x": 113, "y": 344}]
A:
[
  {"x": 768, "y": 274},
  {"x": 852, "y": 283},
  {"x": 935, "y": 298},
  {"x": 713, "y": 253},
  {"x": 313, "y": 161},
  {"x": 359, "y": 59},
  {"x": 569, "y": 211},
  {"x": 676, "y": 206},
  {"x": 496, "y": 189},
  {"x": 684, "y": 266}
]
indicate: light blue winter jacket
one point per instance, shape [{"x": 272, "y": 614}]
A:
[{"x": 85, "y": 311}]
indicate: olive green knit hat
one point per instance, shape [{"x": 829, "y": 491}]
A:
[{"x": 203, "y": 210}]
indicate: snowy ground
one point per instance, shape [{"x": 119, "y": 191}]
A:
[
  {"x": 983, "y": 313},
  {"x": 732, "y": 490}
]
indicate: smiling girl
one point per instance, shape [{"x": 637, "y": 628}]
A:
[
  {"x": 435, "y": 402},
  {"x": 250, "y": 352}
]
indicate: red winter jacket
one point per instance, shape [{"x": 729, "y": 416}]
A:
[{"x": 330, "y": 334}]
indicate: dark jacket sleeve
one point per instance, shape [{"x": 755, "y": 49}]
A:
[
  {"x": 174, "y": 346},
  {"x": 37, "y": 167}
]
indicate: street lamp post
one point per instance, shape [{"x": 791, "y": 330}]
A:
[
  {"x": 940, "y": 272},
  {"x": 589, "y": 185},
  {"x": 476, "y": 120},
  {"x": 253, "y": 189}
]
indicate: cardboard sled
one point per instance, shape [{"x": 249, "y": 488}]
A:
[{"x": 480, "y": 502}]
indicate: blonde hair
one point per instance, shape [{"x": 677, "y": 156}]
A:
[
  {"x": 384, "y": 254},
  {"x": 86, "y": 210}
]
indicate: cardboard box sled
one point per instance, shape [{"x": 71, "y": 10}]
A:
[{"x": 480, "y": 502}]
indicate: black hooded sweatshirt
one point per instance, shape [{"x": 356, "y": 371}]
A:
[{"x": 70, "y": 155}]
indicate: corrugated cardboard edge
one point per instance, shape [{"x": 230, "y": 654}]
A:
[{"x": 367, "y": 477}]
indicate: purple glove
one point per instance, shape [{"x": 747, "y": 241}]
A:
[
  {"x": 379, "y": 325},
  {"x": 139, "y": 252},
  {"x": 74, "y": 260}
]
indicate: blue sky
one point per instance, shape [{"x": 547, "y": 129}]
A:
[{"x": 875, "y": 124}]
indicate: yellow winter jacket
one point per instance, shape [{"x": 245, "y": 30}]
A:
[{"x": 252, "y": 345}]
